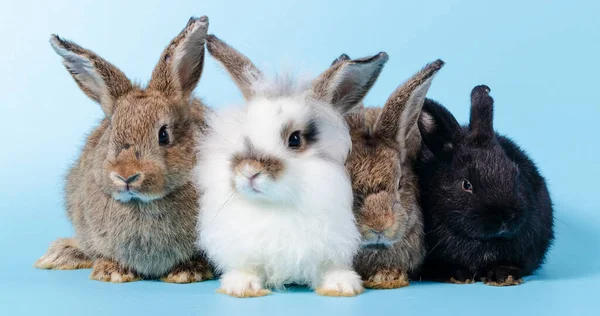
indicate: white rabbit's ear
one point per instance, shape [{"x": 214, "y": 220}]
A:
[
  {"x": 241, "y": 69},
  {"x": 181, "y": 63},
  {"x": 346, "y": 82},
  {"x": 398, "y": 119},
  {"x": 99, "y": 79}
]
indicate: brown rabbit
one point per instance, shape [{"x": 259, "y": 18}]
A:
[
  {"x": 130, "y": 196},
  {"x": 385, "y": 145}
]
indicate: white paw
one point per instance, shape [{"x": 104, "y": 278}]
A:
[
  {"x": 340, "y": 283},
  {"x": 242, "y": 284}
]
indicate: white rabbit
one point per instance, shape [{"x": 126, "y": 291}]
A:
[{"x": 277, "y": 202}]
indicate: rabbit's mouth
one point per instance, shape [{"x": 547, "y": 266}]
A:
[
  {"x": 378, "y": 241},
  {"x": 129, "y": 195}
]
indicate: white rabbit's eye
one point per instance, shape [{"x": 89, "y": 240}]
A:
[
  {"x": 467, "y": 186},
  {"x": 295, "y": 140},
  {"x": 163, "y": 135}
]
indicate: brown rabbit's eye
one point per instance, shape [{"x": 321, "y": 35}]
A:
[
  {"x": 467, "y": 186},
  {"x": 295, "y": 140},
  {"x": 163, "y": 136}
]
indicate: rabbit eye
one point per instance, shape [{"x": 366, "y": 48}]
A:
[
  {"x": 163, "y": 135},
  {"x": 295, "y": 140},
  {"x": 467, "y": 186}
]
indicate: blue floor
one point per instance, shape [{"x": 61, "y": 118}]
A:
[
  {"x": 569, "y": 284},
  {"x": 539, "y": 57}
]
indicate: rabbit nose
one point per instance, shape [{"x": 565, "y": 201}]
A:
[
  {"x": 381, "y": 230},
  {"x": 253, "y": 176},
  {"x": 128, "y": 180}
]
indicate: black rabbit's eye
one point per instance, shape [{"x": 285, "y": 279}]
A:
[
  {"x": 467, "y": 186},
  {"x": 163, "y": 136},
  {"x": 295, "y": 140}
]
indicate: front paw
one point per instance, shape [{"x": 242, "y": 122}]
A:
[
  {"x": 340, "y": 283},
  {"x": 110, "y": 271},
  {"x": 242, "y": 284},
  {"x": 462, "y": 276},
  {"x": 387, "y": 279},
  {"x": 189, "y": 272},
  {"x": 503, "y": 276}
]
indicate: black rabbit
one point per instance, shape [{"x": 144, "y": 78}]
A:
[{"x": 487, "y": 210}]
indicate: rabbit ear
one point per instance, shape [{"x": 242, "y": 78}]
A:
[
  {"x": 481, "y": 123},
  {"x": 343, "y": 57},
  {"x": 347, "y": 82},
  {"x": 438, "y": 127},
  {"x": 243, "y": 72},
  {"x": 181, "y": 63},
  {"x": 99, "y": 79},
  {"x": 398, "y": 119}
]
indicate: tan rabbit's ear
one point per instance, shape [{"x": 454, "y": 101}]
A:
[
  {"x": 398, "y": 119},
  {"x": 243, "y": 72},
  {"x": 99, "y": 79},
  {"x": 346, "y": 82},
  {"x": 181, "y": 63},
  {"x": 342, "y": 58}
]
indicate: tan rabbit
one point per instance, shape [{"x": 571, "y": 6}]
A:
[
  {"x": 385, "y": 146},
  {"x": 129, "y": 196}
]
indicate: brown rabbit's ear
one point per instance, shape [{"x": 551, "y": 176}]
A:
[
  {"x": 181, "y": 63},
  {"x": 342, "y": 58},
  {"x": 399, "y": 117},
  {"x": 241, "y": 69},
  {"x": 99, "y": 79},
  {"x": 346, "y": 82}
]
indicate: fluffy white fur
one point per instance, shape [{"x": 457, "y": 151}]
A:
[{"x": 300, "y": 228}]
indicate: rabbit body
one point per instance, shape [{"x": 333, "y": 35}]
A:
[{"x": 488, "y": 213}]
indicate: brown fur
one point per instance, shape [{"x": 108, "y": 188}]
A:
[
  {"x": 260, "y": 162},
  {"x": 509, "y": 281},
  {"x": 385, "y": 144},
  {"x": 337, "y": 293},
  {"x": 247, "y": 294},
  {"x": 343, "y": 85},
  {"x": 64, "y": 254},
  {"x": 195, "y": 270},
  {"x": 387, "y": 279},
  {"x": 241, "y": 69},
  {"x": 111, "y": 271},
  {"x": 138, "y": 238}
]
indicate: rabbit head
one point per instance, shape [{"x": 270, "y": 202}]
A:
[
  {"x": 287, "y": 126},
  {"x": 147, "y": 147},
  {"x": 386, "y": 143},
  {"x": 478, "y": 187}
]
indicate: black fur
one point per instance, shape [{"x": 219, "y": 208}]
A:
[{"x": 505, "y": 226}]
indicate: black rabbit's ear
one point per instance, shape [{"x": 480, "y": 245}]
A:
[
  {"x": 439, "y": 129},
  {"x": 481, "y": 123}
]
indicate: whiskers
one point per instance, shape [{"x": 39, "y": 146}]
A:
[{"x": 224, "y": 204}]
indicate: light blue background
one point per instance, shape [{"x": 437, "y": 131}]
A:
[{"x": 540, "y": 58}]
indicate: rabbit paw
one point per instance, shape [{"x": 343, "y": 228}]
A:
[
  {"x": 189, "y": 272},
  {"x": 387, "y": 279},
  {"x": 461, "y": 276},
  {"x": 340, "y": 283},
  {"x": 503, "y": 276},
  {"x": 242, "y": 284},
  {"x": 110, "y": 271},
  {"x": 64, "y": 254}
]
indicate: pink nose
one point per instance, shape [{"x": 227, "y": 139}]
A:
[{"x": 253, "y": 177}]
